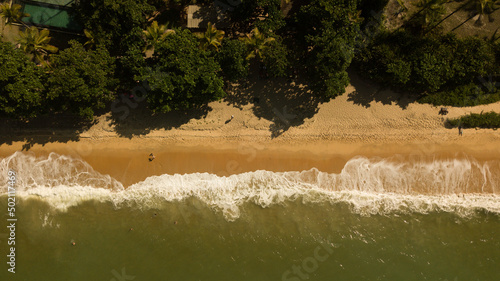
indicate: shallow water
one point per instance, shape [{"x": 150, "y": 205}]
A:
[{"x": 379, "y": 219}]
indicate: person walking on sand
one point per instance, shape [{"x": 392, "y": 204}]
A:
[
  {"x": 460, "y": 130},
  {"x": 151, "y": 157}
]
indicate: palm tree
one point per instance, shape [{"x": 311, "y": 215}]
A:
[
  {"x": 211, "y": 38},
  {"x": 36, "y": 43},
  {"x": 155, "y": 33},
  {"x": 11, "y": 14},
  {"x": 419, "y": 19},
  {"x": 91, "y": 39},
  {"x": 482, "y": 8},
  {"x": 433, "y": 12},
  {"x": 256, "y": 42},
  {"x": 449, "y": 15}
]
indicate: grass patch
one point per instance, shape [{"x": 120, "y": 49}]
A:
[
  {"x": 467, "y": 95},
  {"x": 489, "y": 120}
]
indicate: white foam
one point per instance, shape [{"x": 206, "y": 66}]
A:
[
  {"x": 51, "y": 171},
  {"x": 369, "y": 186}
]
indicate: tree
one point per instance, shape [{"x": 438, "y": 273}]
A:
[
  {"x": 231, "y": 58},
  {"x": 256, "y": 43},
  {"x": 276, "y": 59},
  {"x": 11, "y": 14},
  {"x": 91, "y": 39},
  {"x": 430, "y": 13},
  {"x": 483, "y": 8},
  {"x": 117, "y": 24},
  {"x": 155, "y": 34},
  {"x": 81, "y": 80},
  {"x": 36, "y": 43},
  {"x": 428, "y": 64},
  {"x": 182, "y": 76},
  {"x": 326, "y": 33},
  {"x": 212, "y": 38},
  {"x": 265, "y": 15},
  {"x": 21, "y": 87}
]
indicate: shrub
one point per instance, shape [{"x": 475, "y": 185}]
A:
[
  {"x": 467, "y": 95},
  {"x": 490, "y": 120},
  {"x": 428, "y": 64}
]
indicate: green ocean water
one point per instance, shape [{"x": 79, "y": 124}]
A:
[
  {"x": 309, "y": 241},
  {"x": 253, "y": 226}
]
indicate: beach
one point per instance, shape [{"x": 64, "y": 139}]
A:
[
  {"x": 356, "y": 189},
  {"x": 337, "y": 131}
]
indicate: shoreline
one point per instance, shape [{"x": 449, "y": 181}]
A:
[
  {"x": 264, "y": 135},
  {"x": 126, "y": 160}
]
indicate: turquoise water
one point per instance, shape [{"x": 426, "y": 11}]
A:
[{"x": 355, "y": 225}]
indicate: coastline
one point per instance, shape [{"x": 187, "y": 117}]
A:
[
  {"x": 126, "y": 160},
  {"x": 325, "y": 137}
]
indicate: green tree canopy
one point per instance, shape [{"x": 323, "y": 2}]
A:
[
  {"x": 256, "y": 42},
  {"x": 114, "y": 23},
  {"x": 82, "y": 80},
  {"x": 10, "y": 14},
  {"x": 231, "y": 58},
  {"x": 35, "y": 43},
  {"x": 327, "y": 30},
  {"x": 276, "y": 58},
  {"x": 265, "y": 15},
  {"x": 181, "y": 75},
  {"x": 155, "y": 33},
  {"x": 21, "y": 87},
  {"x": 211, "y": 38},
  {"x": 427, "y": 64}
]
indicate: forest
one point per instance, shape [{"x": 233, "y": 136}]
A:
[{"x": 126, "y": 43}]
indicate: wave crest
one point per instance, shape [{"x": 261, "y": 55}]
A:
[{"x": 368, "y": 186}]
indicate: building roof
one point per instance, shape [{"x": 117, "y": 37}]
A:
[{"x": 50, "y": 16}]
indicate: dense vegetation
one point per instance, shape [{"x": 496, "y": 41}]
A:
[
  {"x": 127, "y": 43},
  {"x": 81, "y": 81},
  {"x": 441, "y": 69},
  {"x": 427, "y": 64},
  {"x": 20, "y": 83},
  {"x": 181, "y": 75},
  {"x": 482, "y": 120}
]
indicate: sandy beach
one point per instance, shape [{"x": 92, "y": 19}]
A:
[
  {"x": 266, "y": 133},
  {"x": 424, "y": 195}
]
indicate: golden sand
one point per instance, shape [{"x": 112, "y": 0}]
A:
[{"x": 362, "y": 122}]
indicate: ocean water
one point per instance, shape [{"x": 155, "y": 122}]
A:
[{"x": 378, "y": 219}]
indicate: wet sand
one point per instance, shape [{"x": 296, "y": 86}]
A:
[{"x": 128, "y": 160}]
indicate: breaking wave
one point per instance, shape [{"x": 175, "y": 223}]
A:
[{"x": 369, "y": 186}]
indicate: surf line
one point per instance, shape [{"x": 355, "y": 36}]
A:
[{"x": 11, "y": 221}]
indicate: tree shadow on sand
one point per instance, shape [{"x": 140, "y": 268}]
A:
[
  {"x": 367, "y": 91},
  {"x": 46, "y": 129},
  {"x": 284, "y": 102},
  {"x": 135, "y": 118}
]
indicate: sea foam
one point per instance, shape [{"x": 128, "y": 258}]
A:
[{"x": 369, "y": 186}]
